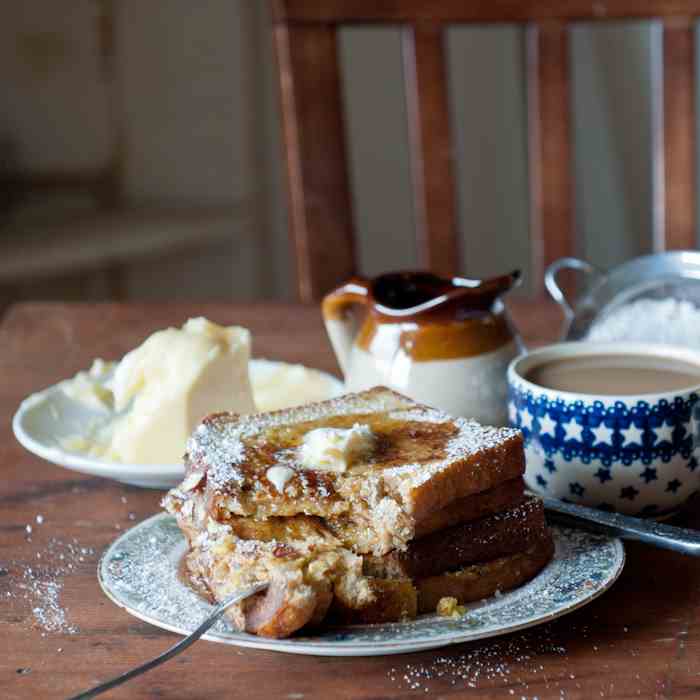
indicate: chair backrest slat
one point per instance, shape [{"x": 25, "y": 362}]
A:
[
  {"x": 431, "y": 147},
  {"x": 320, "y": 203},
  {"x": 320, "y": 211},
  {"x": 549, "y": 145},
  {"x": 457, "y": 11},
  {"x": 678, "y": 204}
]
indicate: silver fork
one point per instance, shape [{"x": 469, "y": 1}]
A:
[{"x": 187, "y": 641}]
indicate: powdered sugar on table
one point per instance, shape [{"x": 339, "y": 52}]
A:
[{"x": 40, "y": 585}]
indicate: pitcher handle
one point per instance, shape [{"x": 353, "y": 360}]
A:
[
  {"x": 340, "y": 321},
  {"x": 555, "y": 291}
]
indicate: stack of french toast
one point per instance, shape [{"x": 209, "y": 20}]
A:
[{"x": 369, "y": 508}]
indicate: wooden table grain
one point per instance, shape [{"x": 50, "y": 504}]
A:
[{"x": 641, "y": 639}]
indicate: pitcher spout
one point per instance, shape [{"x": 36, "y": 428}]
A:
[
  {"x": 488, "y": 290},
  {"x": 404, "y": 294}
]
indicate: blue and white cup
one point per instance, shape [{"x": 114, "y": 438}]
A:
[{"x": 636, "y": 454}]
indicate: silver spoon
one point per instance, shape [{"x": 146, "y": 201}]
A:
[
  {"x": 190, "y": 639},
  {"x": 679, "y": 539}
]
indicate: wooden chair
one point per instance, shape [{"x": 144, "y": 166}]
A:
[{"x": 320, "y": 209}]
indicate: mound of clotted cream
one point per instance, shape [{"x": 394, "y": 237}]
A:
[{"x": 161, "y": 390}]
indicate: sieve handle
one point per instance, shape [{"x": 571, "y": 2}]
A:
[{"x": 552, "y": 285}]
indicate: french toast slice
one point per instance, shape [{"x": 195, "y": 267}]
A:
[
  {"x": 353, "y": 531},
  {"x": 311, "y": 533},
  {"x": 493, "y": 536},
  {"x": 311, "y": 575},
  {"x": 506, "y": 495},
  {"x": 482, "y": 580},
  {"x": 302, "y": 560},
  {"x": 422, "y": 461},
  {"x": 307, "y": 590},
  {"x": 393, "y": 600},
  {"x": 477, "y": 581}
]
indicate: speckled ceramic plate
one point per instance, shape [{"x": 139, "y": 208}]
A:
[
  {"x": 139, "y": 572},
  {"x": 45, "y": 419}
]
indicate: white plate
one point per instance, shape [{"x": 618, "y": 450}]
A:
[
  {"x": 47, "y": 418},
  {"x": 139, "y": 572}
]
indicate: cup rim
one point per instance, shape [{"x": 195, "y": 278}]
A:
[{"x": 529, "y": 359}]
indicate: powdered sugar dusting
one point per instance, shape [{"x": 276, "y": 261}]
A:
[
  {"x": 471, "y": 439},
  {"x": 40, "y": 585},
  {"x": 521, "y": 666},
  {"x": 219, "y": 441},
  {"x": 140, "y": 571},
  {"x": 49, "y": 614},
  {"x": 500, "y": 661},
  {"x": 147, "y": 574},
  {"x": 669, "y": 321}
]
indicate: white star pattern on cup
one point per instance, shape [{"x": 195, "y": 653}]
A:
[
  {"x": 512, "y": 413},
  {"x": 602, "y": 434},
  {"x": 573, "y": 430},
  {"x": 525, "y": 419},
  {"x": 633, "y": 434},
  {"x": 664, "y": 433},
  {"x": 547, "y": 425}
]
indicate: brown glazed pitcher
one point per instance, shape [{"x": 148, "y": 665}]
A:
[{"x": 443, "y": 342}]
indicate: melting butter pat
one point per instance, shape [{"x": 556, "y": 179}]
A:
[
  {"x": 279, "y": 476},
  {"x": 170, "y": 382},
  {"x": 335, "y": 449}
]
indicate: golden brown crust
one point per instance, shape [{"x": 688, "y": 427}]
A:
[
  {"x": 463, "y": 477},
  {"x": 497, "y": 535},
  {"x": 472, "y": 507},
  {"x": 323, "y": 603},
  {"x": 480, "y": 581},
  {"x": 394, "y": 600},
  {"x": 277, "y": 612}
]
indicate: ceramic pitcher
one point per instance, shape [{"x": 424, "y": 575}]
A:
[{"x": 443, "y": 342}]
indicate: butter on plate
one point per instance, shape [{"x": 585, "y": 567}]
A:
[
  {"x": 174, "y": 378},
  {"x": 162, "y": 389}
]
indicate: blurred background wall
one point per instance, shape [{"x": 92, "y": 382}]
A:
[{"x": 140, "y": 155}]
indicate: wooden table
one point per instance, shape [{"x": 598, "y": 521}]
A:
[{"x": 641, "y": 639}]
